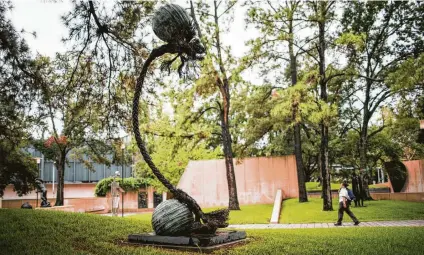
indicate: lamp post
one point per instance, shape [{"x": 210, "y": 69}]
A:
[
  {"x": 123, "y": 174},
  {"x": 38, "y": 167}
]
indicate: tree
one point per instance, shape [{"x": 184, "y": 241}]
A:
[
  {"x": 87, "y": 89},
  {"x": 75, "y": 99},
  {"x": 382, "y": 36},
  {"x": 322, "y": 13},
  {"x": 17, "y": 93},
  {"x": 221, "y": 80},
  {"x": 278, "y": 28},
  {"x": 16, "y": 168},
  {"x": 113, "y": 37}
]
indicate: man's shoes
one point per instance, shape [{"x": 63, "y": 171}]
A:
[
  {"x": 357, "y": 223},
  {"x": 337, "y": 224}
]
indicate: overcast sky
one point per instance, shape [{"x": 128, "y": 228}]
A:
[{"x": 43, "y": 18}]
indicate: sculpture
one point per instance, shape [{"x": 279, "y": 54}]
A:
[
  {"x": 115, "y": 191},
  {"x": 358, "y": 189},
  {"x": 42, "y": 189},
  {"x": 26, "y": 205},
  {"x": 173, "y": 25},
  {"x": 172, "y": 218}
]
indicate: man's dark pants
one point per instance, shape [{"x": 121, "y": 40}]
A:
[{"x": 348, "y": 211}]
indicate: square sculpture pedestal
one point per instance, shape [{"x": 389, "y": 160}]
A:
[{"x": 201, "y": 243}]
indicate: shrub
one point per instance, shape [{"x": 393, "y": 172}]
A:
[{"x": 129, "y": 184}]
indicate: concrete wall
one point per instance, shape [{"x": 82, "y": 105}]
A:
[
  {"x": 415, "y": 181},
  {"x": 412, "y": 197},
  {"x": 258, "y": 180},
  {"x": 80, "y": 196},
  {"x": 71, "y": 190}
]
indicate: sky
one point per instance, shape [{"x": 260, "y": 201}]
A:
[{"x": 43, "y": 17}]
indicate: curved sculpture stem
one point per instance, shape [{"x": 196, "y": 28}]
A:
[{"x": 179, "y": 194}]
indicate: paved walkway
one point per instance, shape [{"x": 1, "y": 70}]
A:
[
  {"x": 119, "y": 214},
  {"x": 402, "y": 223}
]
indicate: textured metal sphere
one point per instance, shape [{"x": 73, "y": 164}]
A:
[
  {"x": 172, "y": 218},
  {"x": 171, "y": 23}
]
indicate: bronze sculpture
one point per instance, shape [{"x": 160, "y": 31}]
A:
[
  {"x": 173, "y": 25},
  {"x": 42, "y": 189},
  {"x": 26, "y": 205}
]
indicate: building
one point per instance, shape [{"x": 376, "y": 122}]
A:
[{"x": 79, "y": 187}]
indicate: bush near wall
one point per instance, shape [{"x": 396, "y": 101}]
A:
[{"x": 128, "y": 184}]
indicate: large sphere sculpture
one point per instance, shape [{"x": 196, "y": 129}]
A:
[
  {"x": 172, "y": 23},
  {"x": 172, "y": 218}
]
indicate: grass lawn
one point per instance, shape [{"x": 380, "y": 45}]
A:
[
  {"x": 48, "y": 232},
  {"x": 295, "y": 212},
  {"x": 248, "y": 214},
  {"x": 313, "y": 186}
]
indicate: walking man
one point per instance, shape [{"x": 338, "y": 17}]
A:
[{"x": 344, "y": 204}]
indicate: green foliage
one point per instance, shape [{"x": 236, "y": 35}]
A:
[
  {"x": 408, "y": 75},
  {"x": 295, "y": 101},
  {"x": 352, "y": 40},
  {"x": 16, "y": 168},
  {"x": 128, "y": 184},
  {"x": 18, "y": 97},
  {"x": 171, "y": 156}
]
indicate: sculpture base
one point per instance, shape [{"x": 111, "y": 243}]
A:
[{"x": 201, "y": 243}]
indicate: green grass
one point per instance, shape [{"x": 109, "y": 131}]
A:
[
  {"x": 313, "y": 186},
  {"x": 295, "y": 212},
  {"x": 248, "y": 214},
  {"x": 47, "y": 232}
]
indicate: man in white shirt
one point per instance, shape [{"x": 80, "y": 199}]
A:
[{"x": 344, "y": 205}]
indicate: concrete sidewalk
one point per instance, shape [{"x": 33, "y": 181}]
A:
[
  {"x": 401, "y": 223},
  {"x": 119, "y": 214}
]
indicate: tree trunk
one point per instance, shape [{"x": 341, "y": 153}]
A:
[
  {"x": 303, "y": 195},
  {"x": 233, "y": 203},
  {"x": 60, "y": 179},
  {"x": 363, "y": 149},
  {"x": 325, "y": 171},
  {"x": 224, "y": 88}
]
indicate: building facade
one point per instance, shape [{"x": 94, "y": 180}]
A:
[{"x": 80, "y": 184}]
